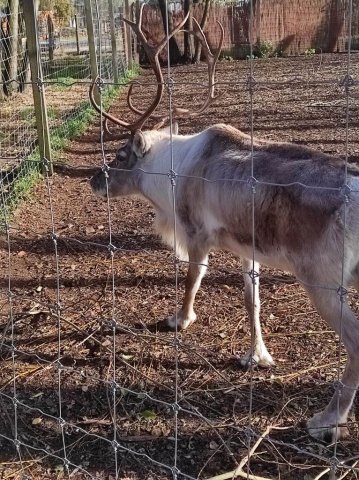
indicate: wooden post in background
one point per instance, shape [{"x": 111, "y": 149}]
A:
[
  {"x": 113, "y": 41},
  {"x": 257, "y": 14},
  {"x": 77, "y": 35},
  {"x": 128, "y": 36},
  {"x": 42, "y": 124},
  {"x": 92, "y": 46},
  {"x": 12, "y": 39},
  {"x": 124, "y": 35},
  {"x": 136, "y": 48}
]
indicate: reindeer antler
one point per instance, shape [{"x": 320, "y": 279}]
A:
[
  {"x": 212, "y": 59},
  {"x": 152, "y": 54}
]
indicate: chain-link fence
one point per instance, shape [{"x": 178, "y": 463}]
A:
[{"x": 93, "y": 384}]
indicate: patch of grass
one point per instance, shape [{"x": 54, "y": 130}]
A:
[
  {"x": 27, "y": 115},
  {"x": 70, "y": 67},
  {"x": 20, "y": 185},
  {"x": 58, "y": 142},
  {"x": 24, "y": 184},
  {"x": 63, "y": 83},
  {"x": 73, "y": 127},
  {"x": 52, "y": 113}
]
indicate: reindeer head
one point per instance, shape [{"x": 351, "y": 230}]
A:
[{"x": 121, "y": 175}]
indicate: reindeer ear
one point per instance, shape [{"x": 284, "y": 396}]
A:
[
  {"x": 140, "y": 144},
  {"x": 175, "y": 128}
]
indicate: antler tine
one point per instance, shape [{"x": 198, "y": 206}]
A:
[
  {"x": 131, "y": 105},
  {"x": 137, "y": 26},
  {"x": 152, "y": 54},
  {"x": 129, "y": 99},
  {"x": 212, "y": 60},
  {"x": 114, "y": 136},
  {"x": 105, "y": 114},
  {"x": 132, "y": 127}
]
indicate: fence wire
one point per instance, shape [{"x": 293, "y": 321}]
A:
[{"x": 88, "y": 388}]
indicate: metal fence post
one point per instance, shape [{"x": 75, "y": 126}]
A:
[
  {"x": 42, "y": 124},
  {"x": 92, "y": 46}
]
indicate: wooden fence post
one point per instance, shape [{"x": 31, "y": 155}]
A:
[
  {"x": 257, "y": 15},
  {"x": 136, "y": 50},
  {"x": 77, "y": 35},
  {"x": 113, "y": 41},
  {"x": 128, "y": 36},
  {"x": 13, "y": 26},
  {"x": 124, "y": 36},
  {"x": 42, "y": 124},
  {"x": 92, "y": 46}
]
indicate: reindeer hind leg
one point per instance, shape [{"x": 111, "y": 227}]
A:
[{"x": 330, "y": 423}]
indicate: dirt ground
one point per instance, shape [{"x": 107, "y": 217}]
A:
[{"x": 118, "y": 380}]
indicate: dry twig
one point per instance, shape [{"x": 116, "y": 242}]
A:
[{"x": 239, "y": 472}]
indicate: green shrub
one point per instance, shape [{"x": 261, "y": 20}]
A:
[
  {"x": 264, "y": 49},
  {"x": 309, "y": 52}
]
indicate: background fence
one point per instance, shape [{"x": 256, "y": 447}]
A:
[
  {"x": 88, "y": 388},
  {"x": 291, "y": 27}
]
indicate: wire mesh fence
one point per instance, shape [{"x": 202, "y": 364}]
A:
[
  {"x": 91, "y": 387},
  {"x": 65, "y": 64}
]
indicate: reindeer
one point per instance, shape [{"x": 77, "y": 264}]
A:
[{"x": 283, "y": 205}]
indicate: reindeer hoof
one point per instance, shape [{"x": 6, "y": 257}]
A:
[
  {"x": 323, "y": 428},
  {"x": 181, "y": 321},
  {"x": 264, "y": 360}
]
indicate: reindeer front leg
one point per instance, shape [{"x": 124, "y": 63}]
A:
[
  {"x": 260, "y": 355},
  {"x": 197, "y": 266}
]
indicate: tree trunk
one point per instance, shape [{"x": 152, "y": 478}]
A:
[
  {"x": 197, "y": 54},
  {"x": 51, "y": 36},
  {"x": 3, "y": 53},
  {"x": 9, "y": 44},
  {"x": 2, "y": 93},
  {"x": 175, "y": 54},
  {"x": 13, "y": 44},
  {"x": 5, "y": 44},
  {"x": 188, "y": 40},
  {"x": 24, "y": 70},
  {"x": 77, "y": 36}
]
